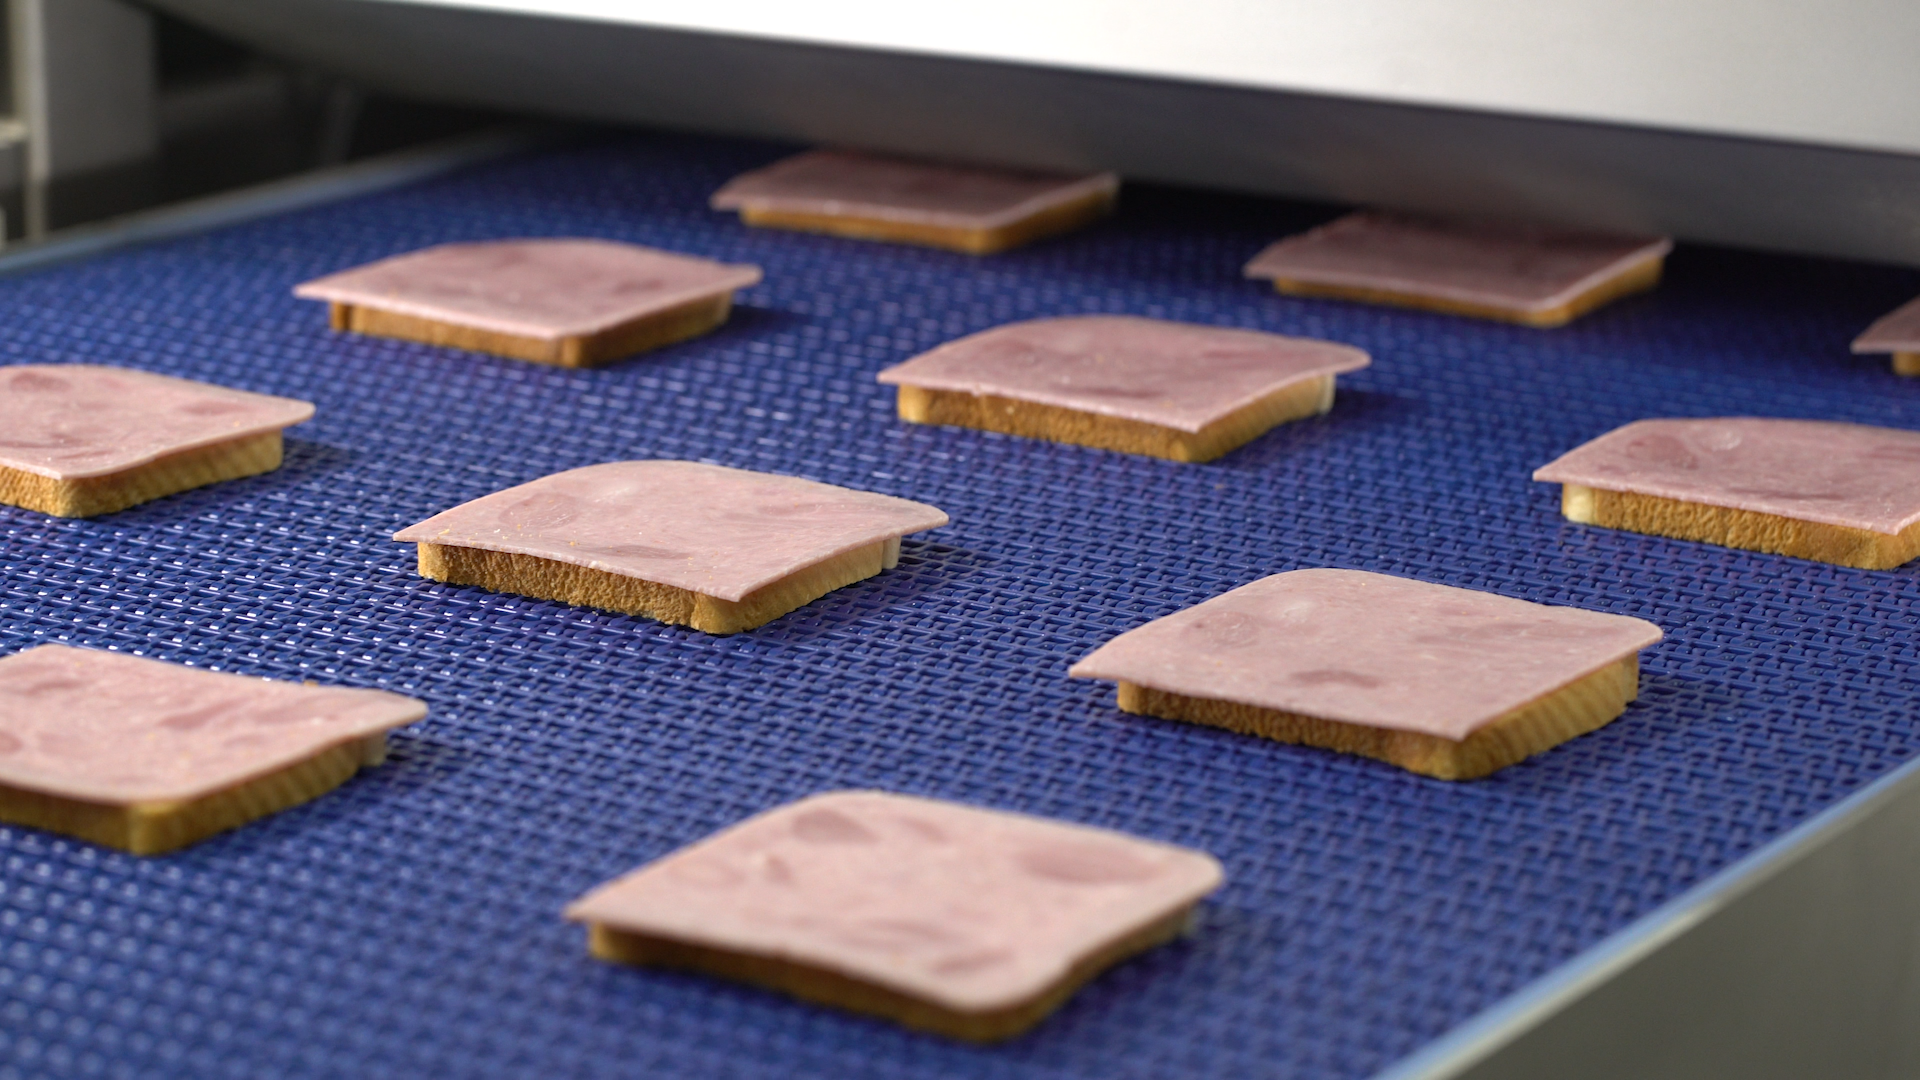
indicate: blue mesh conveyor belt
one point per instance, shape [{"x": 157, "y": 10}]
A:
[{"x": 408, "y": 924}]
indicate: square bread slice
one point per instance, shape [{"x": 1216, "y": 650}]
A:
[
  {"x": 1896, "y": 334},
  {"x": 1141, "y": 386},
  {"x": 148, "y": 757},
  {"x": 571, "y": 303},
  {"x": 1449, "y": 683},
  {"x": 721, "y": 550},
  {"x": 970, "y": 923},
  {"x": 1839, "y": 493},
  {"x": 1491, "y": 270},
  {"x": 79, "y": 440},
  {"x": 963, "y": 208}
]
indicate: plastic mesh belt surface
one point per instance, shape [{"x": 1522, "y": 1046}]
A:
[{"x": 408, "y": 924}]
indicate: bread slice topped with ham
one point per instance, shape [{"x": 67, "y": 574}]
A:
[
  {"x": 953, "y": 919},
  {"x": 1511, "y": 272},
  {"x": 1833, "y": 492},
  {"x": 148, "y": 756},
  {"x": 1172, "y": 390},
  {"x": 978, "y": 210},
  {"x": 1895, "y": 335},
  {"x": 80, "y": 440},
  {"x": 1446, "y": 682},
  {"x": 567, "y": 302},
  {"x": 721, "y": 550}
]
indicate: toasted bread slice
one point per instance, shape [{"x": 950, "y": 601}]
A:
[
  {"x": 1180, "y": 391},
  {"x": 824, "y": 986},
  {"x": 85, "y": 439},
  {"x": 1506, "y": 271},
  {"x": 1587, "y": 704},
  {"x": 650, "y": 331},
  {"x": 1056, "y": 423},
  {"x": 571, "y": 583},
  {"x": 567, "y": 302},
  {"x": 968, "y": 240},
  {"x": 1841, "y": 493},
  {"x": 90, "y": 496},
  {"x": 970, "y": 209},
  {"x": 147, "y": 756},
  {"x": 1447, "y": 682},
  {"x": 1746, "y": 529},
  {"x": 848, "y": 899},
  {"x": 155, "y": 827},
  {"x": 721, "y": 550},
  {"x": 1637, "y": 279}
]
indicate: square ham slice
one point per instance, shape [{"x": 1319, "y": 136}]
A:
[
  {"x": 971, "y": 209},
  {"x": 1492, "y": 270},
  {"x": 1141, "y": 386},
  {"x": 80, "y": 440},
  {"x": 1897, "y": 334},
  {"x": 148, "y": 756},
  {"x": 721, "y": 550},
  {"x": 1834, "y": 492},
  {"x": 1447, "y": 682},
  {"x": 567, "y": 302},
  {"x": 966, "y": 922}
]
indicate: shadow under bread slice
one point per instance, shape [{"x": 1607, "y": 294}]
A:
[
  {"x": 1140, "y": 386},
  {"x": 1446, "y": 682},
  {"x": 965, "y": 922},
  {"x": 718, "y": 549},
  {"x": 1833, "y": 492},
  {"x": 147, "y": 756},
  {"x": 975, "y": 210},
  {"x": 567, "y": 302},
  {"x": 1510, "y": 272},
  {"x": 80, "y": 440}
]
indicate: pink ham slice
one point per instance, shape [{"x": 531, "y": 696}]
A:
[
  {"x": 1898, "y": 331},
  {"x": 75, "y": 421},
  {"x": 106, "y": 728},
  {"x": 542, "y": 289},
  {"x": 1368, "y": 649},
  {"x": 1834, "y": 473},
  {"x": 848, "y": 184},
  {"x": 968, "y": 909},
  {"x": 1477, "y": 264},
  {"x": 1177, "y": 375},
  {"x": 704, "y": 528}
]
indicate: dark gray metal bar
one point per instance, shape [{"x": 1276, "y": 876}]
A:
[{"x": 296, "y": 193}]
